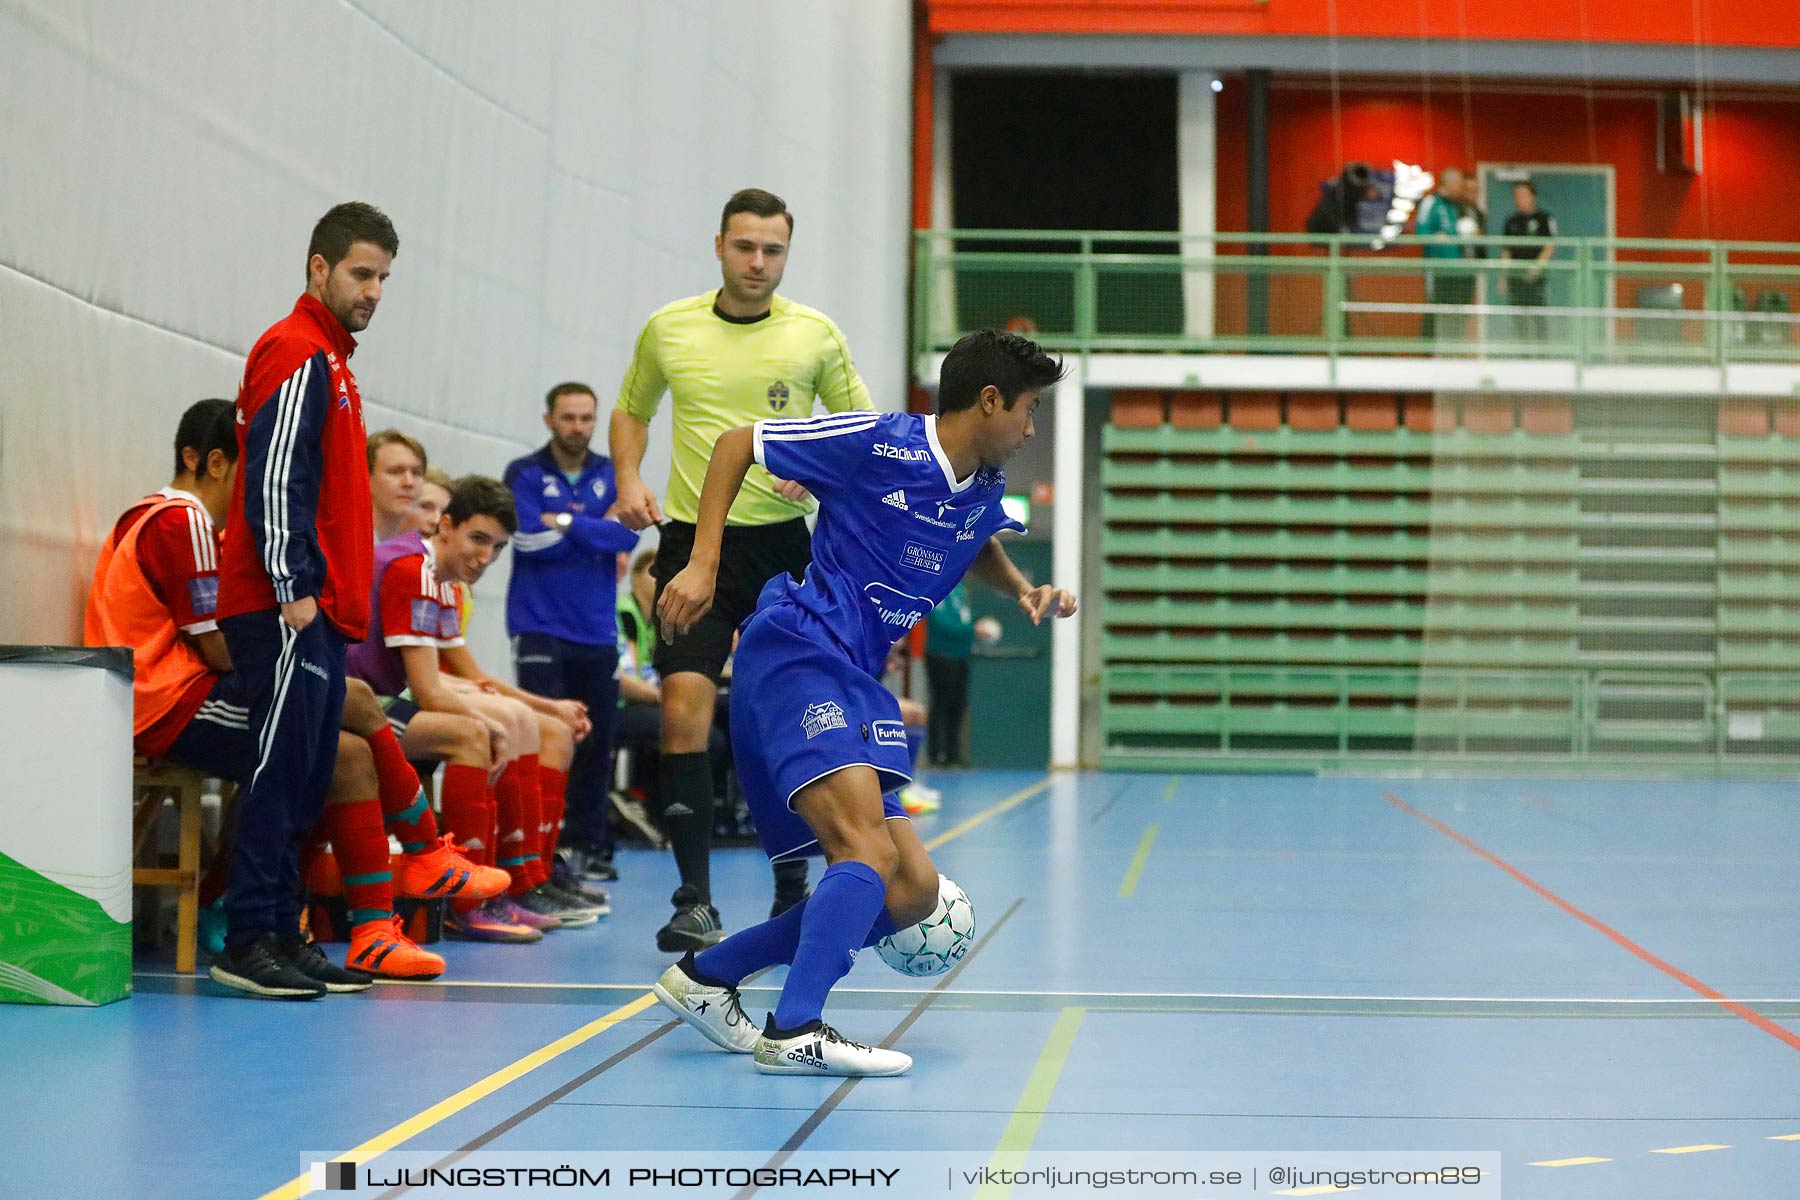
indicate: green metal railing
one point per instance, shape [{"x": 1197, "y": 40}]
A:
[{"x": 1619, "y": 300}]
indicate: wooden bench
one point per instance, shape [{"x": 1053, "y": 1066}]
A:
[{"x": 153, "y": 783}]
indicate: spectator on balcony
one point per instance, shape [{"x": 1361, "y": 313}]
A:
[
  {"x": 1448, "y": 216},
  {"x": 1524, "y": 280}
]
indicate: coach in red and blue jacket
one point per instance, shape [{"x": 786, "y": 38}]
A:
[
  {"x": 294, "y": 575},
  {"x": 560, "y": 600}
]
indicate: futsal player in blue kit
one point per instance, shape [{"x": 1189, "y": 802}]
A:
[{"x": 908, "y": 505}]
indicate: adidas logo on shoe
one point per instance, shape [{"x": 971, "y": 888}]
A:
[
  {"x": 808, "y": 1055},
  {"x": 896, "y": 498},
  {"x": 818, "y": 1049}
]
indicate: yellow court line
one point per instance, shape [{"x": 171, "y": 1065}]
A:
[
  {"x": 1691, "y": 1149},
  {"x": 1128, "y": 888},
  {"x": 1567, "y": 1162},
  {"x": 1169, "y": 792},
  {"x": 1028, "y": 1114},
  {"x": 1786, "y": 1137},
  {"x": 301, "y": 1185},
  {"x": 1013, "y": 801}
]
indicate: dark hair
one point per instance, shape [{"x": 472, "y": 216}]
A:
[
  {"x": 348, "y": 224},
  {"x": 571, "y": 388},
  {"x": 206, "y": 426},
  {"x": 1527, "y": 185},
  {"x": 643, "y": 562},
  {"x": 758, "y": 203},
  {"x": 393, "y": 437},
  {"x": 480, "y": 496},
  {"x": 1011, "y": 363}
]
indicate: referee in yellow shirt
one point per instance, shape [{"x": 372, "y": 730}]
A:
[{"x": 729, "y": 357}]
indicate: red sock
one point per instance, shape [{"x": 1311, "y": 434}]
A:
[
  {"x": 517, "y": 799},
  {"x": 403, "y": 804},
  {"x": 531, "y": 784},
  {"x": 467, "y": 809},
  {"x": 554, "y": 786},
  {"x": 359, "y": 843}
]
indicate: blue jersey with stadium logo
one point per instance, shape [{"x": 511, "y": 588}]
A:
[
  {"x": 896, "y": 532},
  {"x": 896, "y": 529}
]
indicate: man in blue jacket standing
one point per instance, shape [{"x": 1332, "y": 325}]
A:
[{"x": 560, "y": 601}]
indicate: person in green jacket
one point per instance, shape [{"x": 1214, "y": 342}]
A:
[
  {"x": 1446, "y": 216},
  {"x": 949, "y": 639}
]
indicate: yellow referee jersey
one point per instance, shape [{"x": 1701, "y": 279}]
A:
[{"x": 725, "y": 372}]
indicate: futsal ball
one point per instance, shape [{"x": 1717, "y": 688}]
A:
[
  {"x": 987, "y": 631},
  {"x": 938, "y": 942}
]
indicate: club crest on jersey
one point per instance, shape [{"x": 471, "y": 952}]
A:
[
  {"x": 822, "y": 716},
  {"x": 968, "y": 529},
  {"x": 778, "y": 396}
]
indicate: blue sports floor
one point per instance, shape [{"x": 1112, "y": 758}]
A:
[{"x": 1599, "y": 974}]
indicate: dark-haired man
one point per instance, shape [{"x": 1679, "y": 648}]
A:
[
  {"x": 294, "y": 573},
  {"x": 560, "y": 599},
  {"x": 910, "y": 504},
  {"x": 730, "y": 356},
  {"x": 169, "y": 540}
]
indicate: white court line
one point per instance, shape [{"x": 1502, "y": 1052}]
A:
[{"x": 1691, "y": 1001}]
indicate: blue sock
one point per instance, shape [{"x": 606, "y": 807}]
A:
[
  {"x": 838, "y": 919},
  {"x": 770, "y": 944},
  {"x": 915, "y": 745},
  {"x": 750, "y": 950}
]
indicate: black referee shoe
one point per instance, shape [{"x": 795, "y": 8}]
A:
[{"x": 695, "y": 925}]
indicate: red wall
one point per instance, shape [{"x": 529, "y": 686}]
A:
[
  {"x": 1746, "y": 192},
  {"x": 1714, "y": 22}
]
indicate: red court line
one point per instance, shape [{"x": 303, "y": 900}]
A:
[{"x": 1792, "y": 1040}]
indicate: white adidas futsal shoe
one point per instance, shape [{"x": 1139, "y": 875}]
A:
[
  {"x": 817, "y": 1049},
  {"x": 716, "y": 1012}
]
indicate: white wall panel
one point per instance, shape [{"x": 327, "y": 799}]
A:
[{"x": 555, "y": 171}]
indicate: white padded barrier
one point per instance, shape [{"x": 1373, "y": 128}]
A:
[{"x": 555, "y": 171}]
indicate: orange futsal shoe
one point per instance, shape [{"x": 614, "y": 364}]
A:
[
  {"x": 443, "y": 872},
  {"x": 383, "y": 950}
]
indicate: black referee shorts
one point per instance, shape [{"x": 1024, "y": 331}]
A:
[{"x": 749, "y": 556}]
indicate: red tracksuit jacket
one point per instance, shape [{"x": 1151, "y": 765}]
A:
[{"x": 300, "y": 516}]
